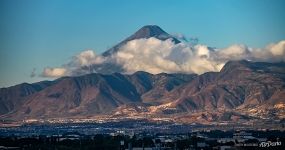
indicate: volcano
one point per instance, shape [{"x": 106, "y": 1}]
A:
[{"x": 146, "y": 32}]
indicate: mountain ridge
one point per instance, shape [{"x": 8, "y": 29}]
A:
[{"x": 239, "y": 87}]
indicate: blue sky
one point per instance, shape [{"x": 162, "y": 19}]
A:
[{"x": 41, "y": 33}]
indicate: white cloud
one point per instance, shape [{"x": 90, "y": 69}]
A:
[
  {"x": 271, "y": 53},
  {"x": 54, "y": 72},
  {"x": 88, "y": 57},
  {"x": 151, "y": 55},
  {"x": 85, "y": 57},
  {"x": 78, "y": 65},
  {"x": 156, "y": 56},
  {"x": 202, "y": 51},
  {"x": 277, "y": 49},
  {"x": 234, "y": 52}
]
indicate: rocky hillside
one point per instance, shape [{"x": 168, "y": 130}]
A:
[
  {"x": 86, "y": 95},
  {"x": 242, "y": 89}
]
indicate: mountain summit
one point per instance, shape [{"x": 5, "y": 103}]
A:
[
  {"x": 146, "y": 32},
  {"x": 151, "y": 31}
]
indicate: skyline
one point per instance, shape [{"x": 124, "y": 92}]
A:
[{"x": 39, "y": 34}]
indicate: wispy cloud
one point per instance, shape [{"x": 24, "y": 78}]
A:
[{"x": 33, "y": 73}]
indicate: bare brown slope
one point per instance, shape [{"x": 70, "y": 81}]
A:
[
  {"x": 93, "y": 94},
  {"x": 13, "y": 97},
  {"x": 239, "y": 84}
]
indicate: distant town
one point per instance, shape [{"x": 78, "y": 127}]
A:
[{"x": 140, "y": 135}]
